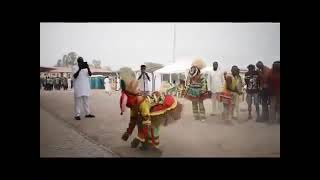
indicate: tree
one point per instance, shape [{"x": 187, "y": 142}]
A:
[
  {"x": 96, "y": 64},
  {"x": 59, "y": 63},
  {"x": 72, "y": 58},
  {"x": 65, "y": 60}
]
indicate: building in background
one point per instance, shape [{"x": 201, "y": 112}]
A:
[{"x": 66, "y": 72}]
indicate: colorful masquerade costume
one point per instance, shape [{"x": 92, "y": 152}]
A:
[
  {"x": 197, "y": 90},
  {"x": 147, "y": 113}
]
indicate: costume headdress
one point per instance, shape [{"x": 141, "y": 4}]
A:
[
  {"x": 196, "y": 66},
  {"x": 130, "y": 89},
  {"x": 129, "y": 80}
]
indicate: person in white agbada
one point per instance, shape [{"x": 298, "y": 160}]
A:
[
  {"x": 107, "y": 85},
  {"x": 118, "y": 84},
  {"x": 81, "y": 85},
  {"x": 215, "y": 83}
]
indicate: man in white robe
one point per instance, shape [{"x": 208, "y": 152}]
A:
[
  {"x": 215, "y": 83},
  {"x": 81, "y": 85}
]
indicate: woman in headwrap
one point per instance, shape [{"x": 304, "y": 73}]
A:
[{"x": 230, "y": 94}]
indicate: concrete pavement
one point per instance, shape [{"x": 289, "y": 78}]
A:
[{"x": 58, "y": 139}]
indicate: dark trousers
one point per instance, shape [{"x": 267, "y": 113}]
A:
[{"x": 265, "y": 98}]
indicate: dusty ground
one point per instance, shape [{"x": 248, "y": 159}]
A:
[{"x": 185, "y": 138}]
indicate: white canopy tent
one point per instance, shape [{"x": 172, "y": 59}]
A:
[
  {"x": 177, "y": 67},
  {"x": 181, "y": 65}
]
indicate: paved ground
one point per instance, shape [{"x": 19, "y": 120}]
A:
[
  {"x": 185, "y": 138},
  {"x": 59, "y": 140}
]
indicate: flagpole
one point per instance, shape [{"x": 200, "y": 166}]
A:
[
  {"x": 174, "y": 42},
  {"x": 173, "y": 49}
]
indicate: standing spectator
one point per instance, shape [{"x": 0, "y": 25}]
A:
[
  {"x": 240, "y": 85},
  {"x": 50, "y": 82},
  {"x": 144, "y": 80},
  {"x": 107, "y": 85},
  {"x": 46, "y": 83},
  {"x": 263, "y": 74},
  {"x": 228, "y": 95},
  {"x": 69, "y": 83},
  {"x": 57, "y": 83},
  {"x": 65, "y": 83},
  {"x": 252, "y": 83},
  {"x": 274, "y": 89},
  {"x": 118, "y": 84},
  {"x": 215, "y": 84},
  {"x": 54, "y": 83},
  {"x": 81, "y": 73}
]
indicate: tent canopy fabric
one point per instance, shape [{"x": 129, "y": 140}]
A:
[
  {"x": 177, "y": 67},
  {"x": 181, "y": 65}
]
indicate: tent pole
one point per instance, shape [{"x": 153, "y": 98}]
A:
[
  {"x": 153, "y": 84},
  {"x": 174, "y": 43}
]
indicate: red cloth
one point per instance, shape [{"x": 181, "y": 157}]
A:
[
  {"x": 132, "y": 100},
  {"x": 145, "y": 129},
  {"x": 274, "y": 83},
  {"x": 168, "y": 102},
  {"x": 264, "y": 76}
]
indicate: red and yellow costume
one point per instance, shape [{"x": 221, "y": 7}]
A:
[{"x": 147, "y": 113}]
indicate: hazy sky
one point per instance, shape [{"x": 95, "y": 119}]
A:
[{"x": 131, "y": 44}]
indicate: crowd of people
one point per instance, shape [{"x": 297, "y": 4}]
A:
[
  {"x": 55, "y": 83},
  {"x": 261, "y": 86}
]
